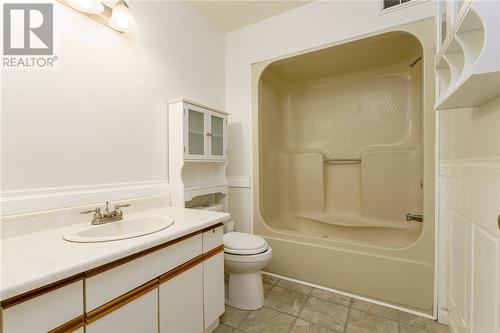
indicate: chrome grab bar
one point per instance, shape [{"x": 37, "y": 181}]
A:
[
  {"x": 342, "y": 161},
  {"x": 414, "y": 217}
]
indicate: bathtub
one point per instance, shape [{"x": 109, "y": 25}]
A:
[{"x": 343, "y": 149}]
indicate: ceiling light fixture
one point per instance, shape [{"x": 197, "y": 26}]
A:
[
  {"x": 88, "y": 6},
  {"x": 121, "y": 18},
  {"x": 117, "y": 16}
]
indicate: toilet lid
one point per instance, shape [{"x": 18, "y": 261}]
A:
[{"x": 243, "y": 243}]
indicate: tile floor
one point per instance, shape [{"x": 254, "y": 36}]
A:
[{"x": 296, "y": 308}]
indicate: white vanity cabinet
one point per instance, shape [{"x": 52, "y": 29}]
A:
[
  {"x": 201, "y": 129},
  {"x": 173, "y": 287}
]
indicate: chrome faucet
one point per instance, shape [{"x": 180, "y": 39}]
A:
[
  {"x": 414, "y": 217},
  {"x": 107, "y": 216}
]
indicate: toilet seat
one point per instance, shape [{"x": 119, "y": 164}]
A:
[{"x": 239, "y": 243}]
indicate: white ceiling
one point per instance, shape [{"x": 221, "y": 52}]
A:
[{"x": 231, "y": 15}]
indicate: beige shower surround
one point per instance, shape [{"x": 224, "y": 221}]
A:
[{"x": 343, "y": 225}]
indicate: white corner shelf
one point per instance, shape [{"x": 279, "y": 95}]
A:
[{"x": 468, "y": 63}]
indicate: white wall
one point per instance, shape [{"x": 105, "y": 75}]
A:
[
  {"x": 469, "y": 237},
  {"x": 100, "y": 117},
  {"x": 311, "y": 26}
]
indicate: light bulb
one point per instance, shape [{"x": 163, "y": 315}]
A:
[
  {"x": 121, "y": 19},
  {"x": 88, "y": 6}
]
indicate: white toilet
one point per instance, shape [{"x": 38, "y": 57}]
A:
[{"x": 244, "y": 256}]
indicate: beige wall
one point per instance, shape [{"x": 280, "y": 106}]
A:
[
  {"x": 100, "y": 116},
  {"x": 471, "y": 133}
]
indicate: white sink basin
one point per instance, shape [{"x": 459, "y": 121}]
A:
[{"x": 127, "y": 228}]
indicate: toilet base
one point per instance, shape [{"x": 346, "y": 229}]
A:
[{"x": 246, "y": 291}]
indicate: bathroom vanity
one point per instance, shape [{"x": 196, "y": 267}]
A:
[{"x": 168, "y": 281}]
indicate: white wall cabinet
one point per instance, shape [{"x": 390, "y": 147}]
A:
[
  {"x": 197, "y": 148},
  {"x": 180, "y": 308},
  {"x": 205, "y": 132}
]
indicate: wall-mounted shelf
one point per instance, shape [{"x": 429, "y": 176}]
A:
[
  {"x": 468, "y": 62},
  {"x": 197, "y": 152}
]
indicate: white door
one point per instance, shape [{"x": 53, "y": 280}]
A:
[
  {"x": 139, "y": 315},
  {"x": 213, "y": 288},
  {"x": 181, "y": 302},
  {"x": 472, "y": 212}
]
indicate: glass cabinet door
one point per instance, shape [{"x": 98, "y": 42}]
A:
[
  {"x": 196, "y": 132},
  {"x": 217, "y": 137}
]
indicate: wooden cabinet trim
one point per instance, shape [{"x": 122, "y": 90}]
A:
[
  {"x": 181, "y": 268},
  {"x": 213, "y": 252},
  {"x": 70, "y": 326},
  {"x": 220, "y": 224},
  {"x": 124, "y": 260},
  {"x": 7, "y": 303},
  {"x": 120, "y": 301}
]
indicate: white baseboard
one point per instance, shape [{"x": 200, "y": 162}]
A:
[
  {"x": 442, "y": 316},
  {"x": 238, "y": 181},
  {"x": 24, "y": 201}
]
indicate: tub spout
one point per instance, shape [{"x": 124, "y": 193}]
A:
[{"x": 414, "y": 217}]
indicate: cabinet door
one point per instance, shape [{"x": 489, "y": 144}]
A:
[
  {"x": 217, "y": 135},
  {"x": 139, "y": 315},
  {"x": 195, "y": 133},
  {"x": 45, "y": 312},
  {"x": 213, "y": 288},
  {"x": 181, "y": 302}
]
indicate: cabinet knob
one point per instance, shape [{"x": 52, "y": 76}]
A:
[{"x": 209, "y": 134}]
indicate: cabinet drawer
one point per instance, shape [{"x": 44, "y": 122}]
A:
[
  {"x": 212, "y": 238},
  {"x": 45, "y": 312},
  {"x": 139, "y": 315},
  {"x": 110, "y": 284}
]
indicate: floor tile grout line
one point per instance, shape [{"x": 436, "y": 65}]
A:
[
  {"x": 298, "y": 313},
  {"x": 398, "y": 321}
]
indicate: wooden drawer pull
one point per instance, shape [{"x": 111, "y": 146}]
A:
[
  {"x": 70, "y": 326},
  {"x": 120, "y": 301}
]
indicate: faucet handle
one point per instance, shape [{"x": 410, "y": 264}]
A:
[
  {"x": 121, "y": 206},
  {"x": 118, "y": 212},
  {"x": 95, "y": 211}
]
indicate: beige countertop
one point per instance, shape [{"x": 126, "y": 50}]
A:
[{"x": 37, "y": 259}]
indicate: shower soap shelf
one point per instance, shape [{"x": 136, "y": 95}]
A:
[{"x": 468, "y": 65}]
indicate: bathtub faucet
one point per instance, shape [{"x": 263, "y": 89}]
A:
[{"x": 414, "y": 217}]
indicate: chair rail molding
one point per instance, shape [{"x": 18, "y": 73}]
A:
[
  {"x": 32, "y": 200},
  {"x": 238, "y": 181}
]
